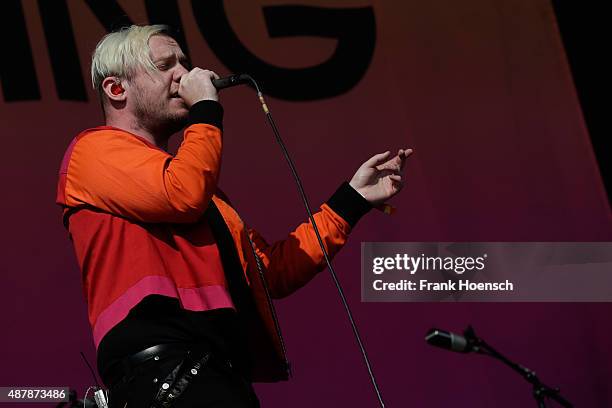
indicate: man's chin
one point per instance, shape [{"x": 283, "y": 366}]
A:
[
  {"x": 178, "y": 103},
  {"x": 180, "y": 112}
]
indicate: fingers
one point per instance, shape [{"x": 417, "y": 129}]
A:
[
  {"x": 196, "y": 85},
  {"x": 199, "y": 73},
  {"x": 403, "y": 155},
  {"x": 382, "y": 162},
  {"x": 377, "y": 159},
  {"x": 388, "y": 172},
  {"x": 397, "y": 182},
  {"x": 396, "y": 164},
  {"x": 404, "y": 152}
]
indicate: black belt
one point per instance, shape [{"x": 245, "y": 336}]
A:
[
  {"x": 194, "y": 357},
  {"x": 131, "y": 365},
  {"x": 154, "y": 352}
]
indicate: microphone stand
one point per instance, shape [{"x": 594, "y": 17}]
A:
[{"x": 541, "y": 391}]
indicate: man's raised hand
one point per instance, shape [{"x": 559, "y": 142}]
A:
[
  {"x": 380, "y": 177},
  {"x": 196, "y": 85}
]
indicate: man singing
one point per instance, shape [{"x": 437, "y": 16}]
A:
[{"x": 178, "y": 289}]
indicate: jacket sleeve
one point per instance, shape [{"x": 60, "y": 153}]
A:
[
  {"x": 291, "y": 263},
  {"x": 121, "y": 174}
]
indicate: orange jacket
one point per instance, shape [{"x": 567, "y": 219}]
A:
[{"x": 134, "y": 214}]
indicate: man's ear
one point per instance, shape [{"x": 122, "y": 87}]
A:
[{"x": 113, "y": 89}]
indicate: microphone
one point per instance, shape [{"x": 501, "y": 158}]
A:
[
  {"x": 450, "y": 341},
  {"x": 232, "y": 80},
  {"x": 470, "y": 343}
]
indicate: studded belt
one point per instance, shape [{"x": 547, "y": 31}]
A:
[{"x": 193, "y": 359}]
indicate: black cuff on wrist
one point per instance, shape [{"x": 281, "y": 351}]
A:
[
  {"x": 206, "y": 111},
  {"x": 349, "y": 204}
]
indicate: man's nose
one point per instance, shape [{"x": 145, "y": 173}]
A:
[{"x": 179, "y": 72}]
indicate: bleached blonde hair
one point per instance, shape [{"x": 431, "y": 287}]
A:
[{"x": 120, "y": 53}]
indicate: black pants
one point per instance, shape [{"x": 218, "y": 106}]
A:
[{"x": 216, "y": 385}]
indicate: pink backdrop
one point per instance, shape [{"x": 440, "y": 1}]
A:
[{"x": 483, "y": 93}]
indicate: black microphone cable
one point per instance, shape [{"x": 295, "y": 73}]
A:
[{"x": 244, "y": 78}]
